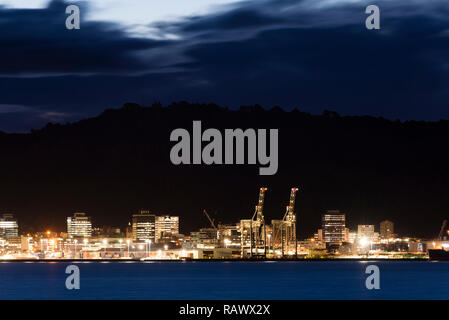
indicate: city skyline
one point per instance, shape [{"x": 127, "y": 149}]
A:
[
  {"x": 157, "y": 237},
  {"x": 83, "y": 215},
  {"x": 79, "y": 225}
]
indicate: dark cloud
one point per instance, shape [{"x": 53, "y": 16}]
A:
[
  {"x": 314, "y": 55},
  {"x": 36, "y": 42}
]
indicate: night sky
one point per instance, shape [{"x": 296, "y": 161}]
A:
[{"x": 310, "y": 54}]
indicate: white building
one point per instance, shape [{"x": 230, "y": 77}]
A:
[
  {"x": 166, "y": 226},
  {"x": 8, "y": 227},
  {"x": 79, "y": 226}
]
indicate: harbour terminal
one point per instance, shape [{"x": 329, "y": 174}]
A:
[{"x": 150, "y": 236}]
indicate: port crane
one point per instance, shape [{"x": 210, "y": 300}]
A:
[
  {"x": 284, "y": 231},
  {"x": 258, "y": 231}
]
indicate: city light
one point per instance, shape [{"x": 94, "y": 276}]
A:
[
  {"x": 364, "y": 242},
  {"x": 222, "y": 241}
]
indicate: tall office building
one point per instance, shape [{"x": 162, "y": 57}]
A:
[
  {"x": 386, "y": 229},
  {"x": 79, "y": 226},
  {"x": 8, "y": 227},
  {"x": 166, "y": 226},
  {"x": 143, "y": 226},
  {"x": 333, "y": 226}
]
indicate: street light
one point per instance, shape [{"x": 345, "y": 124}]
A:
[
  {"x": 85, "y": 244},
  {"x": 269, "y": 242},
  {"x": 146, "y": 246},
  {"x": 128, "y": 241},
  {"x": 363, "y": 242},
  {"x": 76, "y": 241},
  {"x": 105, "y": 242}
]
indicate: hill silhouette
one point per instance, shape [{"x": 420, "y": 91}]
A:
[{"x": 111, "y": 165}]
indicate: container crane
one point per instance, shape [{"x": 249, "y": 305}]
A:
[
  {"x": 284, "y": 231},
  {"x": 259, "y": 235}
]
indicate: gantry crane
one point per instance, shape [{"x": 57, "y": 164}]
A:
[
  {"x": 290, "y": 212},
  {"x": 291, "y": 220},
  {"x": 284, "y": 231},
  {"x": 258, "y": 232}
]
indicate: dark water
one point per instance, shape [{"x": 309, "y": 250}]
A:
[{"x": 225, "y": 280}]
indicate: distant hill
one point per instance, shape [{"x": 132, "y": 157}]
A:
[{"x": 111, "y": 165}]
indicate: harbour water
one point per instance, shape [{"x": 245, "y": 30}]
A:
[{"x": 225, "y": 280}]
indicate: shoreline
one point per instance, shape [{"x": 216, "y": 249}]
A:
[{"x": 208, "y": 260}]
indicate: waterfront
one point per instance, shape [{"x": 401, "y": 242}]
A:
[{"x": 226, "y": 280}]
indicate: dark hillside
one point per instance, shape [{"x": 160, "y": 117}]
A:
[{"x": 118, "y": 162}]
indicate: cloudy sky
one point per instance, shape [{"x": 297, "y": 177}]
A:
[{"x": 309, "y": 54}]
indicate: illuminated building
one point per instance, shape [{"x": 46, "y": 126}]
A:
[
  {"x": 318, "y": 236},
  {"x": 386, "y": 229},
  {"x": 333, "y": 226},
  {"x": 143, "y": 226},
  {"x": 79, "y": 226},
  {"x": 365, "y": 231},
  {"x": 205, "y": 237},
  {"x": 351, "y": 236},
  {"x": 129, "y": 231},
  {"x": 311, "y": 244},
  {"x": 14, "y": 243},
  {"x": 229, "y": 235},
  {"x": 111, "y": 232},
  {"x": 8, "y": 227},
  {"x": 166, "y": 226},
  {"x": 26, "y": 243}
]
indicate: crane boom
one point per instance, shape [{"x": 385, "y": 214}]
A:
[
  {"x": 259, "y": 207},
  {"x": 258, "y": 232},
  {"x": 290, "y": 209},
  {"x": 440, "y": 235},
  {"x": 210, "y": 219}
]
